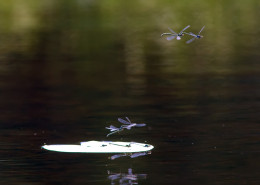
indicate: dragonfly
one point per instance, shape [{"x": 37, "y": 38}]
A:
[
  {"x": 125, "y": 178},
  {"x": 173, "y": 34},
  {"x": 195, "y": 36},
  {"x": 128, "y": 124},
  {"x": 114, "y": 129}
]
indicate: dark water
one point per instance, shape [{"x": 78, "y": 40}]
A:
[{"x": 70, "y": 68}]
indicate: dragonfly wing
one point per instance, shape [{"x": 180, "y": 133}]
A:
[
  {"x": 113, "y": 127},
  {"x": 192, "y": 34},
  {"x": 185, "y": 28},
  {"x": 172, "y": 31},
  {"x": 123, "y": 121},
  {"x": 166, "y": 34},
  {"x": 128, "y": 119},
  {"x": 140, "y": 125},
  {"x": 171, "y": 37},
  {"x": 110, "y": 127},
  {"x": 201, "y": 29},
  {"x": 189, "y": 41}
]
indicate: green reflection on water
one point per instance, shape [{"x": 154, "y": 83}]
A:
[
  {"x": 114, "y": 47},
  {"x": 106, "y": 32}
]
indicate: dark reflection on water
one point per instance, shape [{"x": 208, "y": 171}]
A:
[{"x": 68, "y": 69}]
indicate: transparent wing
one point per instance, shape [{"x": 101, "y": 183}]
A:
[
  {"x": 123, "y": 121},
  {"x": 140, "y": 125},
  {"x": 166, "y": 34},
  {"x": 201, "y": 29},
  {"x": 192, "y": 34},
  {"x": 172, "y": 31},
  {"x": 189, "y": 41},
  {"x": 111, "y": 127},
  {"x": 171, "y": 37},
  {"x": 128, "y": 119},
  {"x": 185, "y": 28}
]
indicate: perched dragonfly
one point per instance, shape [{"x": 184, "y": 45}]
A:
[
  {"x": 173, "y": 34},
  {"x": 128, "y": 124},
  {"x": 113, "y": 129},
  {"x": 195, "y": 36}
]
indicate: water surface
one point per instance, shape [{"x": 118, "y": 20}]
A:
[{"x": 68, "y": 69}]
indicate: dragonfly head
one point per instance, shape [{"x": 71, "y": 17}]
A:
[
  {"x": 121, "y": 128},
  {"x": 200, "y": 36}
]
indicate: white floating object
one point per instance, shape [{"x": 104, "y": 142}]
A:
[{"x": 101, "y": 147}]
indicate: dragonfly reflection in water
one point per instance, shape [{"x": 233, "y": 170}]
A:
[
  {"x": 195, "y": 36},
  {"x": 125, "y": 178},
  {"x": 173, "y": 34},
  {"x": 132, "y": 155}
]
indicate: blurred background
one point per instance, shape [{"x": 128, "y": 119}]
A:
[{"x": 70, "y": 68}]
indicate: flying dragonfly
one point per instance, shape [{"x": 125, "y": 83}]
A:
[
  {"x": 113, "y": 129},
  {"x": 128, "y": 124},
  {"x": 173, "y": 34},
  {"x": 195, "y": 36}
]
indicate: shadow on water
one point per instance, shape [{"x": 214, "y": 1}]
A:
[{"x": 68, "y": 69}]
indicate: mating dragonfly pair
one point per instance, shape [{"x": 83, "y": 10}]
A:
[
  {"x": 127, "y": 124},
  {"x": 178, "y": 36}
]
